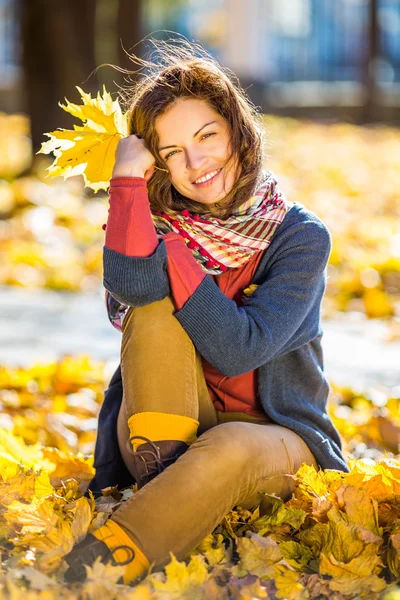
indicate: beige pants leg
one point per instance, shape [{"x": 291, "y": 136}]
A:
[
  {"x": 231, "y": 463},
  {"x": 161, "y": 371}
]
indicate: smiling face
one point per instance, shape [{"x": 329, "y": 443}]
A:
[{"x": 194, "y": 142}]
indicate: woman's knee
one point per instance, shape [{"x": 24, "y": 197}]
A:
[
  {"x": 150, "y": 313},
  {"x": 231, "y": 444},
  {"x": 154, "y": 324}
]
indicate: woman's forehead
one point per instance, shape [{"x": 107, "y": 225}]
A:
[{"x": 185, "y": 118}]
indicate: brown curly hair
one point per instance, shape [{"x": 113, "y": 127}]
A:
[{"x": 185, "y": 69}]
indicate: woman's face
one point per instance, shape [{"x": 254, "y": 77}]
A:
[{"x": 198, "y": 141}]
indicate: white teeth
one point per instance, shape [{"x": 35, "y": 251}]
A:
[{"x": 207, "y": 177}]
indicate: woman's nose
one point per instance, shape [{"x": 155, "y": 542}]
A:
[{"x": 195, "y": 159}]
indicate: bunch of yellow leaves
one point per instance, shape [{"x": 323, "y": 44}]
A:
[
  {"x": 338, "y": 538},
  {"x": 88, "y": 150},
  {"x": 54, "y": 405},
  {"x": 368, "y": 421}
]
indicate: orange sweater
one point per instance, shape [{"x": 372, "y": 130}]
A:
[{"x": 235, "y": 394}]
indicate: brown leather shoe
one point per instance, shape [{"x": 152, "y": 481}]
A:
[
  {"x": 86, "y": 552},
  {"x": 152, "y": 458}
]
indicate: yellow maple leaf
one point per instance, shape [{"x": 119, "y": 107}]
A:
[
  {"x": 36, "y": 517},
  {"x": 104, "y": 573},
  {"x": 68, "y": 465},
  {"x": 19, "y": 487},
  {"x": 180, "y": 577},
  {"x": 213, "y": 548},
  {"x": 53, "y": 546},
  {"x": 347, "y": 553},
  {"x": 14, "y": 451},
  {"x": 360, "y": 508},
  {"x": 257, "y": 555},
  {"x": 287, "y": 584},
  {"x": 88, "y": 150},
  {"x": 379, "y": 481},
  {"x": 277, "y": 515},
  {"x": 82, "y": 517},
  {"x": 296, "y": 555},
  {"x": 356, "y": 576},
  {"x": 43, "y": 487},
  {"x": 316, "y": 483}
]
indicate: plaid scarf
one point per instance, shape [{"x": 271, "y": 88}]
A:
[{"x": 219, "y": 245}]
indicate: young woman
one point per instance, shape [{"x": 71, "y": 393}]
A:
[{"x": 216, "y": 281}]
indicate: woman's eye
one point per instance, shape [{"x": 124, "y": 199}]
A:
[
  {"x": 170, "y": 154},
  {"x": 174, "y": 151}
]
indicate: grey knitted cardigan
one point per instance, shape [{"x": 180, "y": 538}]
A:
[{"x": 277, "y": 331}]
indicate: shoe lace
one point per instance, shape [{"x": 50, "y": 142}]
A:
[
  {"x": 155, "y": 463},
  {"x": 131, "y": 554}
]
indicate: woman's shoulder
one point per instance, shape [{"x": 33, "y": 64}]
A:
[
  {"x": 300, "y": 217},
  {"x": 301, "y": 224},
  {"x": 302, "y": 243},
  {"x": 302, "y": 235}
]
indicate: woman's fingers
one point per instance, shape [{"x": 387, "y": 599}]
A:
[{"x": 149, "y": 173}]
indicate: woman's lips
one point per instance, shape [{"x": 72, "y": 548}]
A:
[{"x": 209, "y": 181}]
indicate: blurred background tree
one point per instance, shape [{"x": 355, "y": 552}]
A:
[
  {"x": 62, "y": 43},
  {"x": 315, "y": 58}
]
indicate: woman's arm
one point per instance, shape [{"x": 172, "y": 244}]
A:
[
  {"x": 134, "y": 262},
  {"x": 130, "y": 228}
]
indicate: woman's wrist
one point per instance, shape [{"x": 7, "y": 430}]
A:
[{"x": 127, "y": 171}]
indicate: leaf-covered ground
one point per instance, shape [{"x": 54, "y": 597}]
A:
[{"x": 338, "y": 537}]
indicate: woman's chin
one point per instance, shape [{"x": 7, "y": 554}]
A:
[
  {"x": 212, "y": 198},
  {"x": 206, "y": 198}
]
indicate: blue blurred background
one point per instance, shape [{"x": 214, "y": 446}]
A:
[{"x": 318, "y": 58}]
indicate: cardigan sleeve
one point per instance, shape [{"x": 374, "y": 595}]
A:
[
  {"x": 134, "y": 261},
  {"x": 280, "y": 316},
  {"x": 130, "y": 229}
]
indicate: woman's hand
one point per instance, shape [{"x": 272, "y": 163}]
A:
[{"x": 133, "y": 159}]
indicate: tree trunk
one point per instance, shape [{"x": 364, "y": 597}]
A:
[
  {"x": 371, "y": 106},
  {"x": 130, "y": 31},
  {"x": 57, "y": 54},
  {"x": 59, "y": 43}
]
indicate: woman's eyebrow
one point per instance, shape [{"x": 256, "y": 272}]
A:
[{"x": 194, "y": 135}]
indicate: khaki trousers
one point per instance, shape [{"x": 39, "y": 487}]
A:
[{"x": 235, "y": 460}]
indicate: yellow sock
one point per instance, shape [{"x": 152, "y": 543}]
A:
[
  {"x": 158, "y": 426},
  {"x": 113, "y": 535}
]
